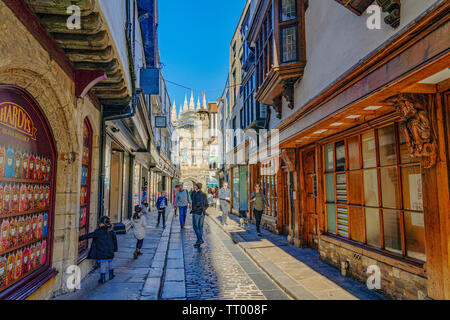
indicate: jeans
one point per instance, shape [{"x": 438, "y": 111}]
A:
[
  {"x": 182, "y": 212},
  {"x": 105, "y": 265},
  {"x": 225, "y": 208},
  {"x": 197, "y": 223},
  {"x": 258, "y": 216},
  {"x": 162, "y": 212},
  {"x": 139, "y": 244}
]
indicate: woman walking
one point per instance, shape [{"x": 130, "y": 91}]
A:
[
  {"x": 139, "y": 224},
  {"x": 103, "y": 246},
  {"x": 259, "y": 203}
]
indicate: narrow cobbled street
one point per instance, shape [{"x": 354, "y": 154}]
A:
[{"x": 172, "y": 269}]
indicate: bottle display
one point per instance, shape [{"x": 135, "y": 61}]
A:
[{"x": 24, "y": 203}]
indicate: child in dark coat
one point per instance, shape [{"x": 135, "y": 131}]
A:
[{"x": 103, "y": 246}]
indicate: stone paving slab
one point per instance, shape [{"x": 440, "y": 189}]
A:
[{"x": 300, "y": 272}]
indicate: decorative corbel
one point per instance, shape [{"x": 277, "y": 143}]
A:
[
  {"x": 288, "y": 91},
  {"x": 416, "y": 127},
  {"x": 277, "y": 106},
  {"x": 288, "y": 156},
  {"x": 393, "y": 8}
]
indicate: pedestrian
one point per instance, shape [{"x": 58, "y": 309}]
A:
[
  {"x": 225, "y": 202},
  {"x": 182, "y": 202},
  {"x": 161, "y": 205},
  {"x": 145, "y": 209},
  {"x": 138, "y": 223},
  {"x": 175, "y": 191},
  {"x": 199, "y": 206},
  {"x": 103, "y": 246},
  {"x": 259, "y": 203}
]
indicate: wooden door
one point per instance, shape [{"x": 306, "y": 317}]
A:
[{"x": 310, "y": 193}]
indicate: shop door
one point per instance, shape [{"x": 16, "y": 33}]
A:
[
  {"x": 115, "y": 189},
  {"x": 310, "y": 190},
  {"x": 286, "y": 219}
]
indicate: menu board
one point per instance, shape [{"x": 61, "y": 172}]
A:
[
  {"x": 26, "y": 170},
  {"x": 85, "y": 186}
]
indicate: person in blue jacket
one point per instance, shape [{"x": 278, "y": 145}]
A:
[{"x": 161, "y": 205}]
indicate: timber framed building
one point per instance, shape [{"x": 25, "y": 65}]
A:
[{"x": 364, "y": 126}]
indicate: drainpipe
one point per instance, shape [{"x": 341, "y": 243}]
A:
[
  {"x": 101, "y": 174},
  {"x": 130, "y": 187}
]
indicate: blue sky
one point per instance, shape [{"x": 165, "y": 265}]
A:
[{"x": 194, "y": 42}]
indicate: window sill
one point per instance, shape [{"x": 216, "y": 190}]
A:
[{"x": 405, "y": 264}]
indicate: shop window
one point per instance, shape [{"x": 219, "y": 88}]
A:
[
  {"x": 269, "y": 187},
  {"x": 85, "y": 192},
  {"x": 376, "y": 199},
  {"x": 27, "y": 170}
]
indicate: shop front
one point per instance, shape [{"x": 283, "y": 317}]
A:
[
  {"x": 372, "y": 166},
  {"x": 27, "y": 192}
]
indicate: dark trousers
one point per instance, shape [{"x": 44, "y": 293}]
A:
[
  {"x": 197, "y": 224},
  {"x": 139, "y": 244},
  {"x": 162, "y": 213},
  {"x": 258, "y": 216}
]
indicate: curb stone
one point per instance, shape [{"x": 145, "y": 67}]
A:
[{"x": 153, "y": 285}]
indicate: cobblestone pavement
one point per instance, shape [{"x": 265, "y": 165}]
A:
[
  {"x": 171, "y": 268},
  {"x": 212, "y": 272}
]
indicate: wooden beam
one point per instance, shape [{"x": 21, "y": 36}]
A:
[{"x": 421, "y": 88}]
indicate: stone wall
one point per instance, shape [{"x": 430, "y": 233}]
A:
[
  {"x": 25, "y": 64},
  {"x": 395, "y": 282}
]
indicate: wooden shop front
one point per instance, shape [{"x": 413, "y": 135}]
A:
[{"x": 371, "y": 163}]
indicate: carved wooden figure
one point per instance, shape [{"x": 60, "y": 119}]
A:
[{"x": 416, "y": 127}]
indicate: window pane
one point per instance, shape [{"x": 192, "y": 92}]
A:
[
  {"x": 289, "y": 43},
  {"x": 371, "y": 188},
  {"x": 386, "y": 139},
  {"x": 331, "y": 218},
  {"x": 353, "y": 153},
  {"x": 329, "y": 163},
  {"x": 354, "y": 187},
  {"x": 341, "y": 187},
  {"x": 356, "y": 224},
  {"x": 389, "y": 188},
  {"x": 288, "y": 11},
  {"x": 412, "y": 188},
  {"x": 415, "y": 235},
  {"x": 330, "y": 187},
  {"x": 373, "y": 227},
  {"x": 340, "y": 156},
  {"x": 392, "y": 232},
  {"x": 343, "y": 222},
  {"x": 369, "y": 150}
]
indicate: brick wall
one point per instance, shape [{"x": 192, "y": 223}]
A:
[{"x": 395, "y": 282}]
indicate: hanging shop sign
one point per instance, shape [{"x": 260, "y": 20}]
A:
[{"x": 27, "y": 170}]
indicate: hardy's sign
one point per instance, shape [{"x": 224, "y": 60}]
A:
[{"x": 15, "y": 117}]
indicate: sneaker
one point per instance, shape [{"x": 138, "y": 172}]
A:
[
  {"x": 135, "y": 255},
  {"x": 259, "y": 234},
  {"x": 196, "y": 245}
]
